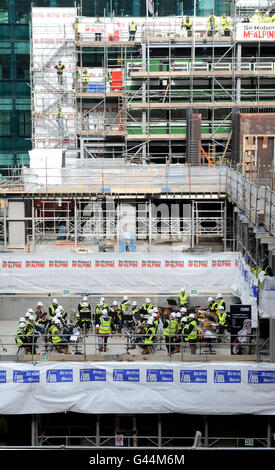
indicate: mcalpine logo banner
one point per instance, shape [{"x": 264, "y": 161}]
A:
[
  {"x": 255, "y": 32},
  {"x": 117, "y": 272}
]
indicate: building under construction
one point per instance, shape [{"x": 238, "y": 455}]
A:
[{"x": 151, "y": 166}]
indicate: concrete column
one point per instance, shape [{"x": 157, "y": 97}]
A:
[{"x": 16, "y": 228}]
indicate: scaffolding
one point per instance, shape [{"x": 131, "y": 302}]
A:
[{"x": 135, "y": 102}]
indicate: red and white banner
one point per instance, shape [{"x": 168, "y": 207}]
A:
[{"x": 255, "y": 32}]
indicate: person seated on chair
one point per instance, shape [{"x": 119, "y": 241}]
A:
[{"x": 59, "y": 342}]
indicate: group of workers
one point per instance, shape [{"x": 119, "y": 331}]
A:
[
  {"x": 144, "y": 326},
  {"x": 225, "y": 22}
]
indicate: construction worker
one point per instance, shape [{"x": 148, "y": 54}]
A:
[
  {"x": 20, "y": 336},
  {"x": 104, "y": 328},
  {"x": 57, "y": 339},
  {"x": 85, "y": 318},
  {"x": 220, "y": 301},
  {"x": 52, "y": 308},
  {"x": 256, "y": 269},
  {"x": 80, "y": 305},
  {"x": 148, "y": 339},
  {"x": 146, "y": 306},
  {"x": 170, "y": 330},
  {"x": 76, "y": 29},
  {"x": 225, "y": 24},
  {"x": 183, "y": 298},
  {"x": 59, "y": 118},
  {"x": 85, "y": 78},
  {"x": 184, "y": 328},
  {"x": 266, "y": 18},
  {"x": 212, "y": 25},
  {"x": 256, "y": 18},
  {"x": 109, "y": 79},
  {"x": 98, "y": 33},
  {"x": 187, "y": 24},
  {"x": 76, "y": 77},
  {"x": 39, "y": 311},
  {"x": 59, "y": 68},
  {"x": 211, "y": 309},
  {"x": 132, "y": 30},
  {"x": 223, "y": 320},
  {"x": 192, "y": 332}
]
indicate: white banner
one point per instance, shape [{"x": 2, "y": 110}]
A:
[
  {"x": 118, "y": 272},
  {"x": 255, "y": 32},
  {"x": 245, "y": 286},
  {"x": 189, "y": 388}
]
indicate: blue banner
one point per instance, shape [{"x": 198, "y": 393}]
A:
[
  {"x": 92, "y": 375},
  {"x": 59, "y": 375},
  {"x": 227, "y": 376},
  {"x": 261, "y": 377},
  {"x": 126, "y": 375},
  {"x": 159, "y": 375},
  {"x": 3, "y": 376},
  {"x": 193, "y": 376},
  {"x": 26, "y": 376}
]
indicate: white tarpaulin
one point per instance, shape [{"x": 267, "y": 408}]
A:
[
  {"x": 245, "y": 286},
  {"x": 117, "y": 272},
  {"x": 116, "y": 387}
]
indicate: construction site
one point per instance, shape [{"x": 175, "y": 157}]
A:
[{"x": 150, "y": 174}]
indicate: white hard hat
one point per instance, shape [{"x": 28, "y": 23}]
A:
[
  {"x": 55, "y": 301},
  {"x": 101, "y": 303},
  {"x": 58, "y": 309},
  {"x": 102, "y": 299},
  {"x": 31, "y": 318},
  {"x": 220, "y": 307},
  {"x": 184, "y": 319},
  {"x": 21, "y": 324},
  {"x": 134, "y": 302},
  {"x": 150, "y": 311},
  {"x": 57, "y": 321},
  {"x": 105, "y": 311},
  {"x": 114, "y": 302},
  {"x": 21, "y": 319},
  {"x": 39, "y": 304},
  {"x": 125, "y": 297},
  {"x": 53, "y": 319},
  {"x": 156, "y": 310},
  {"x": 30, "y": 310},
  {"x": 27, "y": 314},
  {"x": 85, "y": 298},
  {"x": 61, "y": 308},
  {"x": 183, "y": 309},
  {"x": 219, "y": 296},
  {"x": 210, "y": 299},
  {"x": 147, "y": 300},
  {"x": 178, "y": 314},
  {"x": 182, "y": 289},
  {"x": 191, "y": 315},
  {"x": 58, "y": 315},
  {"x": 173, "y": 314}
]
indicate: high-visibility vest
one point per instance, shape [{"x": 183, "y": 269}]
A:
[
  {"x": 187, "y": 23},
  {"x": 150, "y": 331},
  {"x": 148, "y": 307},
  {"x": 85, "y": 77},
  {"x": 213, "y": 306},
  {"x": 220, "y": 303},
  {"x": 85, "y": 315},
  {"x": 19, "y": 339},
  {"x": 56, "y": 338},
  {"x": 104, "y": 326},
  {"x": 171, "y": 329},
  {"x": 223, "y": 318},
  {"x": 52, "y": 310},
  {"x": 132, "y": 27},
  {"x": 88, "y": 305},
  {"x": 123, "y": 307},
  {"x": 256, "y": 18},
  {"x": 267, "y": 19},
  {"x": 184, "y": 332},
  {"x": 59, "y": 68},
  {"x": 212, "y": 23},
  {"x": 183, "y": 298},
  {"x": 98, "y": 307},
  {"x": 194, "y": 333},
  {"x": 225, "y": 22}
]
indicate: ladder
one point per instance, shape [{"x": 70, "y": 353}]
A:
[{"x": 121, "y": 114}]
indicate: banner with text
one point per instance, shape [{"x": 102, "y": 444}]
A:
[
  {"x": 195, "y": 388},
  {"x": 255, "y": 32}
]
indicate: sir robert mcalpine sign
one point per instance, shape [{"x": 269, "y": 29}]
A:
[{"x": 255, "y": 32}]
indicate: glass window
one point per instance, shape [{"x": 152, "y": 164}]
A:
[
  {"x": 21, "y": 31},
  {"x": 4, "y": 14},
  {"x": 5, "y": 88},
  {"x": 5, "y": 123},
  {"x": 5, "y": 31},
  {"x": 22, "y": 11},
  {"x": 22, "y": 66},
  {"x": 24, "y": 122},
  {"x": 5, "y": 66}
]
